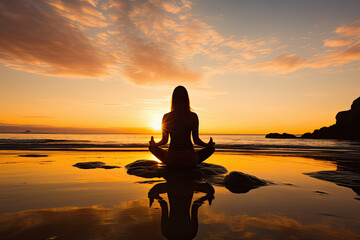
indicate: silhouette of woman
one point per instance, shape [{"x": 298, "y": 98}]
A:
[{"x": 179, "y": 124}]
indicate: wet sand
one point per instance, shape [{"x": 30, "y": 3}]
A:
[{"x": 46, "y": 197}]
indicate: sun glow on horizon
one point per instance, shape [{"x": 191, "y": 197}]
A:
[{"x": 155, "y": 124}]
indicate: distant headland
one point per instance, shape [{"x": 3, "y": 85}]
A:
[{"x": 347, "y": 126}]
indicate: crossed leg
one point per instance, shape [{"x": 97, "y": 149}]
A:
[
  {"x": 161, "y": 153},
  {"x": 158, "y": 153},
  {"x": 205, "y": 153}
]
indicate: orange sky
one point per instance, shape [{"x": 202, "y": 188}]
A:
[{"x": 111, "y": 66}]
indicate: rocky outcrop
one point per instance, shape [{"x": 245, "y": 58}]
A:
[
  {"x": 347, "y": 125},
  {"x": 278, "y": 135},
  {"x": 343, "y": 178}
]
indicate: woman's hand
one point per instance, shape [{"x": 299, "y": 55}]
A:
[
  {"x": 210, "y": 143},
  {"x": 152, "y": 142}
]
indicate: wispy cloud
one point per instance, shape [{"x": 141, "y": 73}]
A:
[
  {"x": 145, "y": 41},
  {"x": 337, "y": 43},
  {"x": 345, "y": 48},
  {"x": 35, "y": 38},
  {"x": 284, "y": 63}
]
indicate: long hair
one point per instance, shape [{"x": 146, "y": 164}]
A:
[{"x": 180, "y": 100}]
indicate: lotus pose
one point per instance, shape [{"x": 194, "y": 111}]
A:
[{"x": 180, "y": 123}]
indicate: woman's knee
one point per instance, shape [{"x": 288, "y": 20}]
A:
[{"x": 211, "y": 149}]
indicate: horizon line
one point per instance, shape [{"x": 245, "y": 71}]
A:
[{"x": 206, "y": 133}]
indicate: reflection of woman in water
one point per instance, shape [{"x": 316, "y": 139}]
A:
[
  {"x": 181, "y": 222},
  {"x": 180, "y": 123}
]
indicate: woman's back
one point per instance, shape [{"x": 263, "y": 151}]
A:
[{"x": 179, "y": 125}]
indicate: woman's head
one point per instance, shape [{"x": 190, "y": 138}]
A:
[{"x": 180, "y": 99}]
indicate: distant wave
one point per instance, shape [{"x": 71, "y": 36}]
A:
[
  {"x": 329, "y": 150},
  {"x": 341, "y": 150}
]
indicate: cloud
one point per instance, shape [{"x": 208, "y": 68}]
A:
[
  {"x": 336, "y": 43},
  {"x": 82, "y": 12},
  {"x": 155, "y": 41},
  {"x": 345, "y": 49},
  {"x": 150, "y": 63},
  {"x": 145, "y": 41},
  {"x": 337, "y": 58},
  {"x": 35, "y": 38},
  {"x": 284, "y": 63},
  {"x": 351, "y": 30}
]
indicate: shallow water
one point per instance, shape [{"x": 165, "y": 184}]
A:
[
  {"x": 48, "y": 198},
  {"x": 225, "y": 140}
]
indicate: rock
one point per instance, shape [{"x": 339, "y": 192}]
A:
[
  {"x": 343, "y": 178},
  {"x": 150, "y": 181},
  {"x": 238, "y": 182},
  {"x": 155, "y": 169},
  {"x": 146, "y": 169},
  {"x": 91, "y": 165},
  {"x": 347, "y": 125},
  {"x": 278, "y": 135}
]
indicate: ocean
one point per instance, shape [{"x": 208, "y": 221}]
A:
[{"x": 241, "y": 143}]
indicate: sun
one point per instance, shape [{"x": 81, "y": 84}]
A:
[{"x": 155, "y": 124}]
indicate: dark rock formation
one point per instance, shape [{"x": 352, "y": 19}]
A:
[
  {"x": 153, "y": 169},
  {"x": 347, "y": 125},
  {"x": 91, "y": 165},
  {"x": 238, "y": 182},
  {"x": 343, "y": 178},
  {"x": 278, "y": 135}
]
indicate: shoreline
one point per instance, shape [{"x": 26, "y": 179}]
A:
[{"x": 348, "y": 158}]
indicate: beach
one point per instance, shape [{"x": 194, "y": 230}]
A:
[
  {"x": 43, "y": 196},
  {"x": 179, "y": 120}
]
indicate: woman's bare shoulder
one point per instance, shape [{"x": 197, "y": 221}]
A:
[
  {"x": 166, "y": 115},
  {"x": 193, "y": 116}
]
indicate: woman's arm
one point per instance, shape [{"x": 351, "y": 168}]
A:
[
  {"x": 195, "y": 133},
  {"x": 164, "y": 140},
  {"x": 165, "y": 136}
]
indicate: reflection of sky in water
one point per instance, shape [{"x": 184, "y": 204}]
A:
[
  {"x": 135, "y": 220},
  {"x": 47, "y": 199}
]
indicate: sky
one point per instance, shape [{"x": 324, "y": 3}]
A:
[{"x": 111, "y": 66}]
